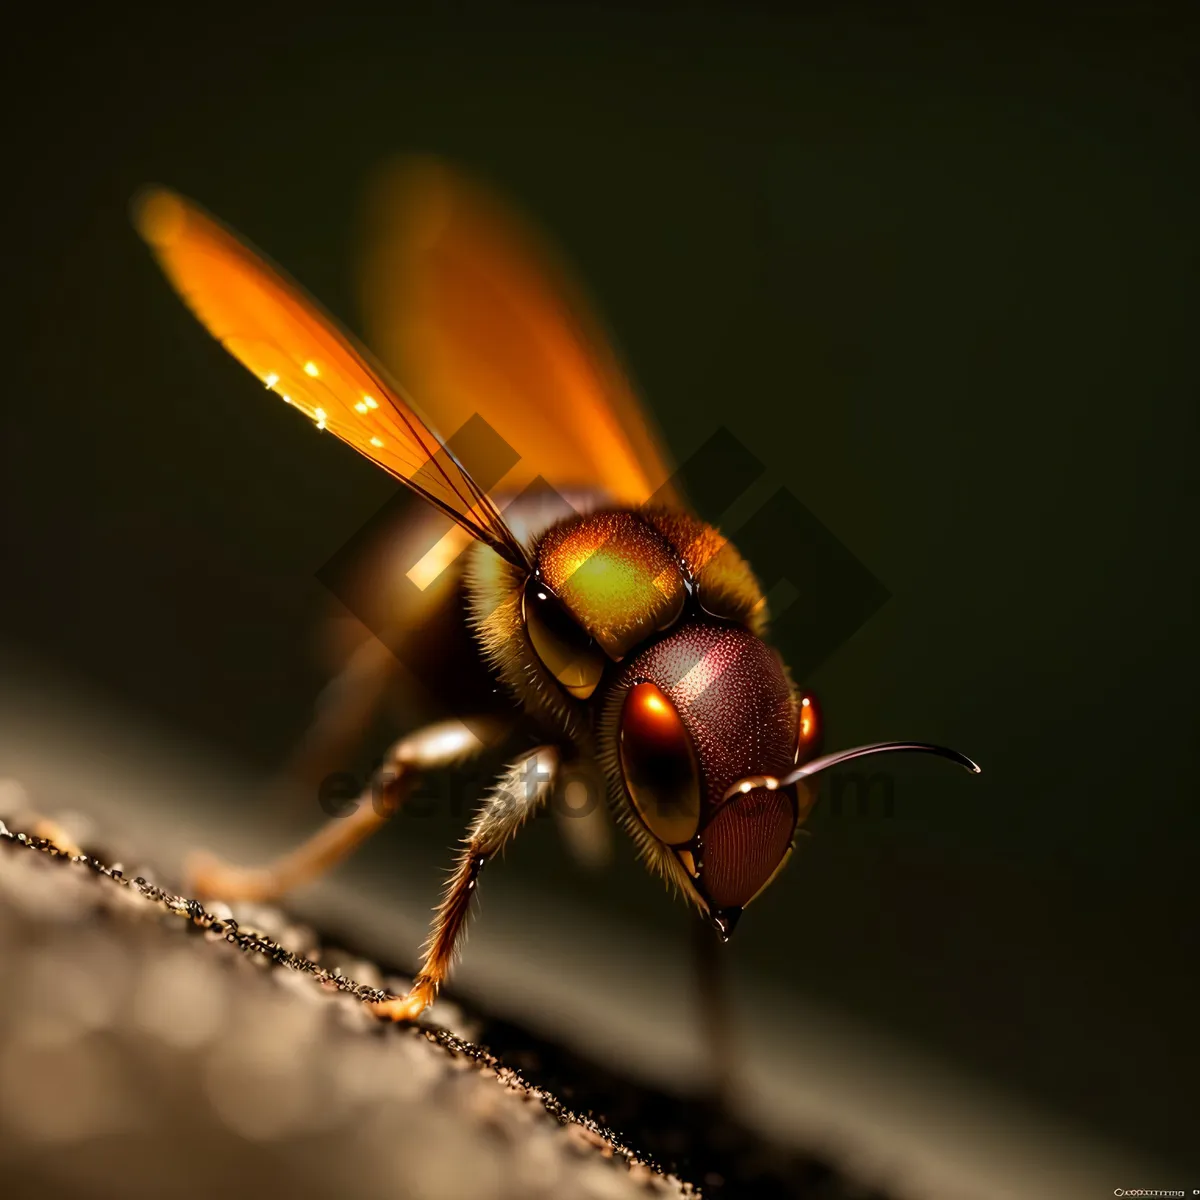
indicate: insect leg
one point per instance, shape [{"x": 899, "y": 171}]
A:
[
  {"x": 434, "y": 746},
  {"x": 716, "y": 1016},
  {"x": 524, "y": 787}
]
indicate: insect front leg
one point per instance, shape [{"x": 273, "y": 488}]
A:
[
  {"x": 440, "y": 745},
  {"x": 717, "y": 1033},
  {"x": 522, "y": 790}
]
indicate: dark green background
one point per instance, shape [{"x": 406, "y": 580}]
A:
[{"x": 936, "y": 272}]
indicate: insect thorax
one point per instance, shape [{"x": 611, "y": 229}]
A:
[{"x": 624, "y": 575}]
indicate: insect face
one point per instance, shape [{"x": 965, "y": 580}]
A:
[
  {"x": 693, "y": 713},
  {"x": 686, "y": 705}
]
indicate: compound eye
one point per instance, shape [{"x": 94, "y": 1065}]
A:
[
  {"x": 566, "y": 650},
  {"x": 659, "y": 765}
]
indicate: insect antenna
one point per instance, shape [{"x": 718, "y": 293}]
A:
[{"x": 826, "y": 761}]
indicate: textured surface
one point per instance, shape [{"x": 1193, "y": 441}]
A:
[{"x": 151, "y": 1046}]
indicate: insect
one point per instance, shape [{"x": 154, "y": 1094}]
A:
[{"x": 620, "y": 633}]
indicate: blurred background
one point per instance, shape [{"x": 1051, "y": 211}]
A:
[{"x": 936, "y": 272}]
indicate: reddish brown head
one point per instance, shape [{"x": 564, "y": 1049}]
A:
[
  {"x": 703, "y": 708},
  {"x": 706, "y": 740}
]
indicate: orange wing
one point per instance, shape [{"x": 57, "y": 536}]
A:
[
  {"x": 266, "y": 321},
  {"x": 476, "y": 316}
]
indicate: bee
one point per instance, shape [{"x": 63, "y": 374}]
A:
[{"x": 618, "y": 632}]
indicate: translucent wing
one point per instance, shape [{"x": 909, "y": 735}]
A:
[
  {"x": 267, "y": 322},
  {"x": 479, "y": 319}
]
